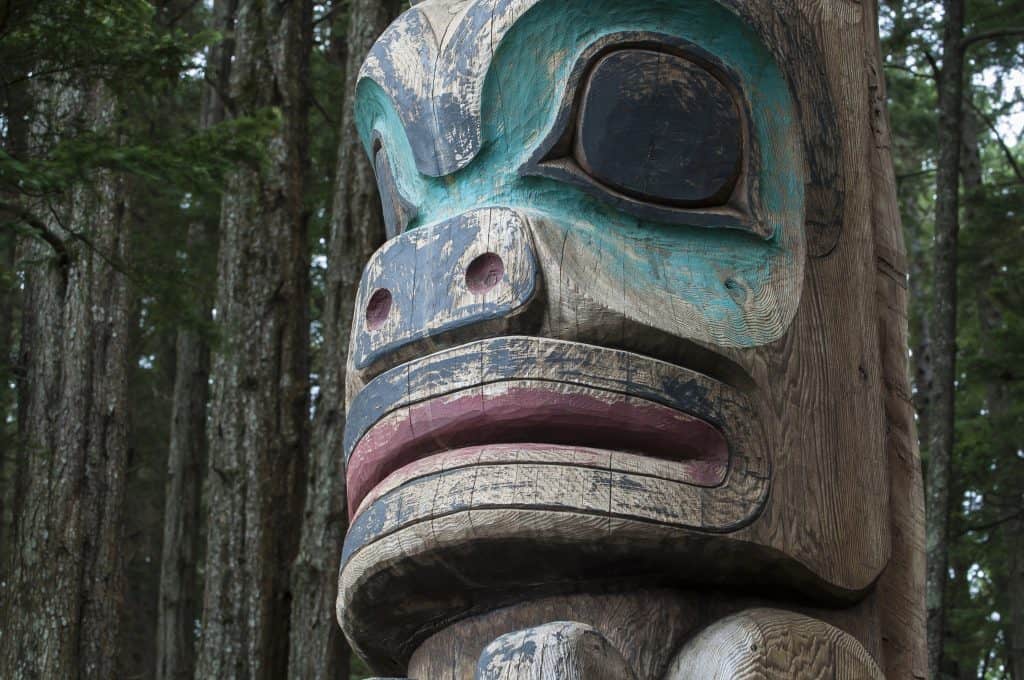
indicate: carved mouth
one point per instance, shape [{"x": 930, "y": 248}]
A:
[
  {"x": 515, "y": 399},
  {"x": 520, "y": 464},
  {"x": 540, "y": 419}
]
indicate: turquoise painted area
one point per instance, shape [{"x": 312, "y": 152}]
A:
[{"x": 521, "y": 97}]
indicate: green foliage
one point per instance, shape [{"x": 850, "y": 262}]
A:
[
  {"x": 116, "y": 40},
  {"x": 327, "y": 92},
  {"x": 192, "y": 161},
  {"x": 149, "y": 57},
  {"x": 988, "y": 463}
]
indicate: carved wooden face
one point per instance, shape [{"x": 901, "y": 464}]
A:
[{"x": 623, "y": 328}]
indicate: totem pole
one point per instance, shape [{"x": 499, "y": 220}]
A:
[{"x": 627, "y": 383}]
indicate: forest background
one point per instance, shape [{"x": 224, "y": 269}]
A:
[{"x": 184, "y": 214}]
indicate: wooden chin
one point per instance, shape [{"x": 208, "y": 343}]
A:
[{"x": 481, "y": 558}]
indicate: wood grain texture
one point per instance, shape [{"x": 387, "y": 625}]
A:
[
  {"x": 724, "y": 288},
  {"x": 548, "y": 485},
  {"x": 402, "y": 61},
  {"x": 562, "y": 650},
  {"x": 538, "y": 416},
  {"x": 398, "y": 210},
  {"x": 424, "y": 271},
  {"x": 451, "y": 97},
  {"x": 476, "y": 560},
  {"x": 800, "y": 326},
  {"x": 901, "y": 586},
  {"x": 803, "y": 35},
  {"x": 644, "y": 626},
  {"x": 648, "y": 625},
  {"x": 770, "y": 644},
  {"x": 441, "y": 108},
  {"x": 510, "y": 358}
]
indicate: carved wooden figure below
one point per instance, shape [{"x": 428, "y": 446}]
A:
[{"x": 627, "y": 384}]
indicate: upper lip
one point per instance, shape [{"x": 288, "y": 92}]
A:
[
  {"x": 536, "y": 412},
  {"x": 437, "y": 404}
]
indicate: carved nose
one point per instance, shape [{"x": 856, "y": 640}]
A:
[{"x": 456, "y": 281}]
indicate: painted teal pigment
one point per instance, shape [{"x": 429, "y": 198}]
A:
[{"x": 721, "y": 269}]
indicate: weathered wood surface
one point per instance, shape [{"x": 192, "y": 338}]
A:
[
  {"x": 901, "y": 586},
  {"x": 564, "y": 650},
  {"x": 770, "y": 644},
  {"x": 398, "y": 211},
  {"x": 646, "y": 627},
  {"x": 654, "y": 396},
  {"x": 421, "y": 312},
  {"x": 774, "y": 315}
]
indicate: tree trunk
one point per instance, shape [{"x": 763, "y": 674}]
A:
[
  {"x": 318, "y": 650},
  {"x": 178, "y": 605},
  {"x": 924, "y": 374},
  {"x": 60, "y": 607},
  {"x": 999, "y": 402},
  {"x": 958, "y": 589},
  {"x": 8, "y": 303},
  {"x": 15, "y": 110},
  {"x": 942, "y": 401},
  {"x": 258, "y": 434}
]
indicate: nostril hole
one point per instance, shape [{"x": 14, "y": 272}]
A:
[
  {"x": 484, "y": 273},
  {"x": 378, "y": 308}
]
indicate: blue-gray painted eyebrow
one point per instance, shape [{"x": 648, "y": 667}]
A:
[
  {"x": 437, "y": 89},
  {"x": 437, "y": 93},
  {"x": 410, "y": 32}
]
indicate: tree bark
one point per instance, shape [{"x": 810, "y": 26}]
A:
[
  {"x": 318, "y": 650},
  {"x": 958, "y": 588},
  {"x": 924, "y": 374},
  {"x": 8, "y": 303},
  {"x": 999, "y": 402},
  {"x": 944, "y": 326},
  {"x": 258, "y": 433},
  {"x": 178, "y": 605},
  {"x": 15, "y": 110},
  {"x": 60, "y": 606}
]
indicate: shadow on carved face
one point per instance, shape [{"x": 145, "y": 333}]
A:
[{"x": 561, "y": 360}]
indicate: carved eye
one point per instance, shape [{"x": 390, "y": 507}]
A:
[
  {"x": 398, "y": 212},
  {"x": 660, "y": 128}
]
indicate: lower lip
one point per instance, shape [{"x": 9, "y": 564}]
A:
[{"x": 533, "y": 414}]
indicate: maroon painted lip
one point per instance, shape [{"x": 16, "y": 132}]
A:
[{"x": 531, "y": 413}]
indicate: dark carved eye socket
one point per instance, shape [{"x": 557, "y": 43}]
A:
[{"x": 660, "y": 128}]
